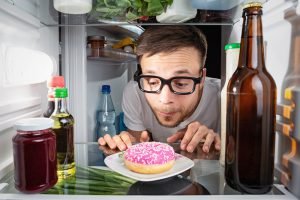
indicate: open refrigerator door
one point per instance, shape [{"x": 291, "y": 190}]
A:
[{"x": 37, "y": 41}]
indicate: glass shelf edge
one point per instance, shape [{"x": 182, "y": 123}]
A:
[{"x": 144, "y": 24}]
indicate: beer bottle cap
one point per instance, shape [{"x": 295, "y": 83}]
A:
[
  {"x": 232, "y": 46},
  {"x": 252, "y": 4}
]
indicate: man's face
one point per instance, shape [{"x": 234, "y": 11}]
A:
[{"x": 170, "y": 109}]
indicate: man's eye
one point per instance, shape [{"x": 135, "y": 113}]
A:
[
  {"x": 153, "y": 82},
  {"x": 181, "y": 84}
]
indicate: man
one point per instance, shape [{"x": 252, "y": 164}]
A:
[{"x": 170, "y": 99}]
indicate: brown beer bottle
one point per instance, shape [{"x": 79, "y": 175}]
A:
[{"x": 251, "y": 109}]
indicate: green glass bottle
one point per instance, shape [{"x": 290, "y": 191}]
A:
[{"x": 64, "y": 130}]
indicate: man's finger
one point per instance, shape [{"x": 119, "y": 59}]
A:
[
  {"x": 175, "y": 137},
  {"x": 101, "y": 141},
  {"x": 193, "y": 128},
  {"x": 217, "y": 142},
  {"x": 209, "y": 140},
  {"x": 126, "y": 138},
  {"x": 119, "y": 142},
  {"x": 110, "y": 142},
  {"x": 144, "y": 136}
]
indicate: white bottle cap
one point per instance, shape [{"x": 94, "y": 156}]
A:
[{"x": 34, "y": 124}]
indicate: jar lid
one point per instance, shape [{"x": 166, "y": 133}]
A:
[
  {"x": 232, "y": 46},
  {"x": 96, "y": 37},
  {"x": 34, "y": 124}
]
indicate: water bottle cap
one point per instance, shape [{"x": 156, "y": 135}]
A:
[
  {"x": 56, "y": 81},
  {"x": 61, "y": 93},
  {"x": 106, "y": 89}
]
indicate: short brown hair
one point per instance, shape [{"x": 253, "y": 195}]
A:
[{"x": 167, "y": 39}]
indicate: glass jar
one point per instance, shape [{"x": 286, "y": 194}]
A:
[
  {"x": 95, "y": 45},
  {"x": 34, "y": 150}
]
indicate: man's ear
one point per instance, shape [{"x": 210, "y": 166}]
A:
[{"x": 203, "y": 76}]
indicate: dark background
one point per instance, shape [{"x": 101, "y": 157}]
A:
[{"x": 214, "y": 50}]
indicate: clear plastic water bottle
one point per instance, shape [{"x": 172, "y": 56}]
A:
[{"x": 106, "y": 114}]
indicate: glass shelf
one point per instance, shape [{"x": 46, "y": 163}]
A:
[
  {"x": 205, "y": 178},
  {"x": 206, "y": 15}
]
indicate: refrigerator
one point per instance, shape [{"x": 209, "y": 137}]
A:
[{"x": 37, "y": 41}]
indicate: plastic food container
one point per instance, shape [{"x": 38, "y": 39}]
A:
[
  {"x": 215, "y": 4},
  {"x": 73, "y": 6},
  {"x": 34, "y": 150},
  {"x": 179, "y": 11}
]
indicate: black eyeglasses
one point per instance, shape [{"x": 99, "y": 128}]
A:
[{"x": 181, "y": 85}]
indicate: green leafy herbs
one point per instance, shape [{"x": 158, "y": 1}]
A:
[
  {"x": 93, "y": 181},
  {"x": 130, "y": 9}
]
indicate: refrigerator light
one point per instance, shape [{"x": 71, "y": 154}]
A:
[{"x": 24, "y": 66}]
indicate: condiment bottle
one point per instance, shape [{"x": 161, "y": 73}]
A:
[
  {"x": 232, "y": 58},
  {"x": 251, "y": 113},
  {"x": 64, "y": 130},
  {"x": 52, "y": 83},
  {"x": 34, "y": 150}
]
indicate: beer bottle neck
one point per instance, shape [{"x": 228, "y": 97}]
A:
[{"x": 252, "y": 48}]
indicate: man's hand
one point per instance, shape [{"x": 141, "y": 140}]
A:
[
  {"x": 192, "y": 136},
  {"x": 124, "y": 139}
]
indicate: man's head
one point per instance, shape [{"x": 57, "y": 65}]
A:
[
  {"x": 168, "y": 52},
  {"x": 167, "y": 39}
]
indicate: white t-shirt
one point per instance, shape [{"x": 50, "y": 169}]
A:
[{"x": 138, "y": 115}]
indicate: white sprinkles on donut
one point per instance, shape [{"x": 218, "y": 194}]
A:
[{"x": 150, "y": 153}]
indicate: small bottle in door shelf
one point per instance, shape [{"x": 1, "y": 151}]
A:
[
  {"x": 53, "y": 83},
  {"x": 64, "y": 131}
]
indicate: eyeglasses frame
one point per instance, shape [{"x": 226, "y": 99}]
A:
[{"x": 138, "y": 75}]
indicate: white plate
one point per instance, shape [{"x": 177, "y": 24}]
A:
[{"x": 116, "y": 163}]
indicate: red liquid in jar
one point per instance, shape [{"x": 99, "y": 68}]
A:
[{"x": 35, "y": 160}]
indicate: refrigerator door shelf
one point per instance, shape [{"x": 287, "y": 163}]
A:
[{"x": 111, "y": 55}]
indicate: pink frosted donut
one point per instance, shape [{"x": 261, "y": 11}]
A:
[{"x": 149, "y": 157}]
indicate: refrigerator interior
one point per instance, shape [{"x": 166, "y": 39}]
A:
[{"x": 33, "y": 28}]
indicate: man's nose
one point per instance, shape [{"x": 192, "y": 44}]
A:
[{"x": 166, "y": 95}]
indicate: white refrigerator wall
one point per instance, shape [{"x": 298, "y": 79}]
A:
[{"x": 28, "y": 55}]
